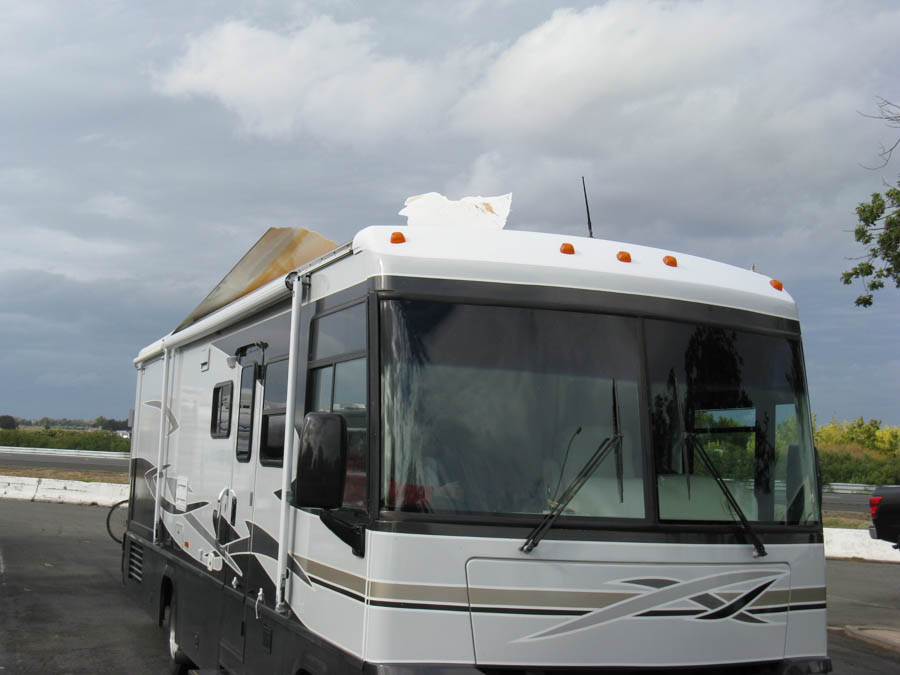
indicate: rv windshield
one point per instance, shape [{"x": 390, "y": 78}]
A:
[{"x": 495, "y": 410}]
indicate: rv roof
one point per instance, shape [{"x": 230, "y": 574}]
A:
[
  {"x": 517, "y": 257},
  {"x": 536, "y": 258}
]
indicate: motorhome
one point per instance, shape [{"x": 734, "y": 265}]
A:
[{"x": 475, "y": 449}]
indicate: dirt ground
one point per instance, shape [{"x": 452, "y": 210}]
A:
[{"x": 66, "y": 474}]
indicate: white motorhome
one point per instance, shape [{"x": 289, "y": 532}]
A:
[{"x": 437, "y": 449}]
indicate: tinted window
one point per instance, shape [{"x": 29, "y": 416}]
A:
[
  {"x": 321, "y": 380},
  {"x": 736, "y": 401},
  {"x": 220, "y": 424},
  {"x": 245, "y": 413},
  {"x": 271, "y": 451},
  {"x": 497, "y": 409},
  {"x": 340, "y": 385},
  {"x": 342, "y": 332}
]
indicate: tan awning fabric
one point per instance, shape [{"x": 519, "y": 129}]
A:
[{"x": 277, "y": 252}]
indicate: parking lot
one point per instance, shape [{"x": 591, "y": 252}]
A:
[{"x": 63, "y": 608}]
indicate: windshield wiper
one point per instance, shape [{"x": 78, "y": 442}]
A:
[
  {"x": 691, "y": 439},
  {"x": 692, "y": 443},
  {"x": 609, "y": 444}
]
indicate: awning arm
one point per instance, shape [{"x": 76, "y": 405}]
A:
[
  {"x": 287, "y": 496},
  {"x": 163, "y": 443}
]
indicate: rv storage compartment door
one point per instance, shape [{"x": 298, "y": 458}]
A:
[{"x": 561, "y": 613}]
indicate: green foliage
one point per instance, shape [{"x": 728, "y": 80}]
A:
[
  {"x": 859, "y": 452},
  {"x": 880, "y": 233},
  {"x": 840, "y": 465},
  {"x": 8, "y": 422},
  {"x": 868, "y": 435},
  {"x": 63, "y": 438}
]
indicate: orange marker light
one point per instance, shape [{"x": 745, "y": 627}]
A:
[
  {"x": 623, "y": 256},
  {"x": 397, "y": 238},
  {"x": 187, "y": 544},
  {"x": 777, "y": 285},
  {"x": 670, "y": 261},
  {"x": 567, "y": 248}
]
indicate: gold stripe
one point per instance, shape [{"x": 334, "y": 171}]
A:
[
  {"x": 332, "y": 575},
  {"x": 792, "y": 596},
  {"x": 383, "y": 590},
  {"x": 563, "y": 599},
  {"x": 816, "y": 594}
]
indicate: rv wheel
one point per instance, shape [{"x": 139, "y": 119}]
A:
[{"x": 179, "y": 660}]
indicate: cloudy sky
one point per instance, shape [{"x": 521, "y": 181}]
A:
[{"x": 144, "y": 147}]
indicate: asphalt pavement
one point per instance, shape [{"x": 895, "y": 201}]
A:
[
  {"x": 835, "y": 503},
  {"x": 48, "y": 459},
  {"x": 63, "y": 607}
]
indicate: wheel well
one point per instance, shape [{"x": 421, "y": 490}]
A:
[{"x": 166, "y": 591}]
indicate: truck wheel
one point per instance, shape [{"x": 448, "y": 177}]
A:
[{"x": 179, "y": 661}]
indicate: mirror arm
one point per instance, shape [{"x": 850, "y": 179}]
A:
[{"x": 349, "y": 527}]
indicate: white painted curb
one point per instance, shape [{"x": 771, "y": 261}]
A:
[
  {"x": 843, "y": 543},
  {"x": 62, "y": 491}
]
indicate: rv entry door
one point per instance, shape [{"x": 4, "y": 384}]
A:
[{"x": 235, "y": 520}]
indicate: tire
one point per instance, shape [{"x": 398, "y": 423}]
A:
[
  {"x": 179, "y": 662},
  {"x": 115, "y": 523}
]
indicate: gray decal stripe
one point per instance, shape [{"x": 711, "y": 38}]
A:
[
  {"x": 736, "y": 606},
  {"x": 535, "y": 598},
  {"x": 207, "y": 536},
  {"x": 652, "y": 600},
  {"x": 652, "y": 583},
  {"x": 383, "y": 590},
  {"x": 329, "y": 574},
  {"x": 210, "y": 539}
]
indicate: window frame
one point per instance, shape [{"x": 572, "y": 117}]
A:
[
  {"x": 390, "y": 287},
  {"x": 215, "y": 418},
  {"x": 264, "y": 419},
  {"x": 334, "y": 360},
  {"x": 244, "y": 456}
]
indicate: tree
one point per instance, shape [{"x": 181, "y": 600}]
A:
[
  {"x": 890, "y": 113},
  {"x": 880, "y": 232},
  {"x": 8, "y": 422}
]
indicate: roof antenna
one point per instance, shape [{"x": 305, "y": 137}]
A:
[{"x": 587, "y": 208}]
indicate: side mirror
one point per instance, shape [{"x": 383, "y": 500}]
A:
[{"x": 322, "y": 462}]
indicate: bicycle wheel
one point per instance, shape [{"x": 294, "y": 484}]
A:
[{"x": 117, "y": 521}]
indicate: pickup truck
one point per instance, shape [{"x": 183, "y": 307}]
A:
[{"x": 885, "y": 507}]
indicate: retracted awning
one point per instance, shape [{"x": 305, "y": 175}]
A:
[{"x": 278, "y": 251}]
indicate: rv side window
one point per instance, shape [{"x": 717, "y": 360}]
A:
[
  {"x": 342, "y": 332},
  {"x": 271, "y": 449},
  {"x": 338, "y": 383},
  {"x": 220, "y": 423},
  {"x": 245, "y": 413}
]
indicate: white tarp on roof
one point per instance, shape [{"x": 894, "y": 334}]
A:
[{"x": 435, "y": 210}]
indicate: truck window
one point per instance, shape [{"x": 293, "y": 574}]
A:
[
  {"x": 220, "y": 422},
  {"x": 338, "y": 383},
  {"x": 271, "y": 450}
]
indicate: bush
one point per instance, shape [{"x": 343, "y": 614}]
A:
[
  {"x": 855, "y": 464},
  {"x": 63, "y": 438},
  {"x": 868, "y": 435}
]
